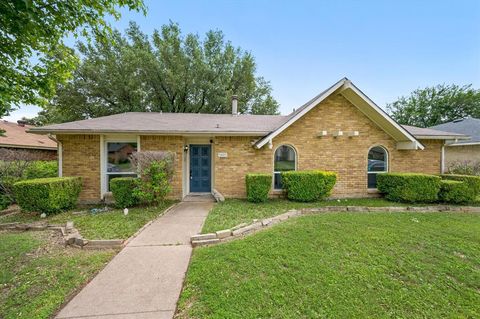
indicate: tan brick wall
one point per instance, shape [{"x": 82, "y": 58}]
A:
[
  {"x": 167, "y": 143},
  {"x": 344, "y": 155},
  {"x": 462, "y": 153},
  {"x": 81, "y": 157}
]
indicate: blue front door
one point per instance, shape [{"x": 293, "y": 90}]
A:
[{"x": 200, "y": 165}]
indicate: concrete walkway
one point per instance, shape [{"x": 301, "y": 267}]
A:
[{"x": 145, "y": 279}]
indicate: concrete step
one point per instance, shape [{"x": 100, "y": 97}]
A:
[{"x": 196, "y": 243}]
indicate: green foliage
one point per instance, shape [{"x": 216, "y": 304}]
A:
[
  {"x": 41, "y": 169},
  {"x": 173, "y": 73},
  {"x": 5, "y": 201},
  {"x": 48, "y": 195},
  {"x": 472, "y": 181},
  {"x": 123, "y": 190},
  {"x": 464, "y": 168},
  {"x": 409, "y": 187},
  {"x": 33, "y": 58},
  {"x": 154, "y": 183},
  {"x": 15, "y": 170},
  {"x": 308, "y": 186},
  {"x": 436, "y": 105},
  {"x": 456, "y": 192},
  {"x": 258, "y": 187}
]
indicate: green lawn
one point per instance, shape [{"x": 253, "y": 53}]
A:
[
  {"x": 106, "y": 225},
  {"x": 235, "y": 211},
  {"x": 342, "y": 265},
  {"x": 37, "y": 274}
]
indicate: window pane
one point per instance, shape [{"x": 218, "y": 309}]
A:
[
  {"x": 377, "y": 160},
  {"x": 277, "y": 181},
  {"x": 118, "y": 157},
  {"x": 110, "y": 177},
  {"x": 372, "y": 180},
  {"x": 284, "y": 159}
]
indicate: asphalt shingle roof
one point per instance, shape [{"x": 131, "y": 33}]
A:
[
  {"x": 17, "y": 136},
  {"x": 468, "y": 126},
  {"x": 172, "y": 123}
]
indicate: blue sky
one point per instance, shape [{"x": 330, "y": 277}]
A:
[{"x": 387, "y": 48}]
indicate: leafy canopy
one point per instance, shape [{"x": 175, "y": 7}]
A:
[
  {"x": 167, "y": 72},
  {"x": 33, "y": 58},
  {"x": 435, "y": 105}
]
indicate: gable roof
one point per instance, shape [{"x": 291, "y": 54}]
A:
[
  {"x": 16, "y": 136},
  {"x": 467, "y": 126},
  {"x": 264, "y": 127},
  {"x": 345, "y": 87}
]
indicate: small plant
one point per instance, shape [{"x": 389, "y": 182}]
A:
[
  {"x": 456, "y": 192},
  {"x": 308, "y": 186},
  {"x": 154, "y": 184},
  {"x": 464, "y": 168},
  {"x": 258, "y": 187},
  {"x": 123, "y": 191},
  {"x": 48, "y": 195},
  {"x": 409, "y": 187}
]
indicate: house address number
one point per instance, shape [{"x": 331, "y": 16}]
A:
[{"x": 222, "y": 154}]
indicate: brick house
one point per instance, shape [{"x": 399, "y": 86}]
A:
[
  {"x": 17, "y": 143},
  {"x": 339, "y": 130}
]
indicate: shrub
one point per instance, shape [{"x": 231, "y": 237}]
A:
[
  {"x": 456, "y": 192},
  {"x": 472, "y": 181},
  {"x": 41, "y": 169},
  {"x": 5, "y": 201},
  {"x": 47, "y": 195},
  {"x": 308, "y": 186},
  {"x": 123, "y": 191},
  {"x": 258, "y": 187},
  {"x": 409, "y": 187},
  {"x": 464, "y": 167},
  {"x": 154, "y": 183}
]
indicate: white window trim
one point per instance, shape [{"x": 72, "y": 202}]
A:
[
  {"x": 387, "y": 158},
  {"x": 279, "y": 172},
  {"x": 104, "y": 140}
]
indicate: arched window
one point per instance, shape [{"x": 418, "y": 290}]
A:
[
  {"x": 285, "y": 160},
  {"x": 377, "y": 163}
]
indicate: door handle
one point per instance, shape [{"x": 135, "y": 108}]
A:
[{"x": 190, "y": 174}]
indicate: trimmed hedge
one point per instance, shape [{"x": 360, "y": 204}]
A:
[
  {"x": 123, "y": 191},
  {"x": 472, "y": 181},
  {"x": 308, "y": 186},
  {"x": 456, "y": 192},
  {"x": 48, "y": 195},
  {"x": 41, "y": 169},
  {"x": 258, "y": 187},
  {"x": 409, "y": 187}
]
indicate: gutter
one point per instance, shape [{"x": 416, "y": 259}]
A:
[{"x": 140, "y": 132}]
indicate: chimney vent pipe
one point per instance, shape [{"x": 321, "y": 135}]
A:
[{"x": 234, "y": 105}]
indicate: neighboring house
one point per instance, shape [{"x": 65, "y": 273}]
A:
[
  {"x": 462, "y": 150},
  {"x": 339, "y": 130},
  {"x": 17, "y": 142}
]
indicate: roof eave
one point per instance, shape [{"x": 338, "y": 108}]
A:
[{"x": 146, "y": 132}]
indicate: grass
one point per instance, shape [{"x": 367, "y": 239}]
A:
[
  {"x": 105, "y": 225},
  {"x": 38, "y": 275},
  {"x": 342, "y": 265},
  {"x": 236, "y": 211}
]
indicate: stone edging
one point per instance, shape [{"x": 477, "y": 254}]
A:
[
  {"x": 72, "y": 237},
  {"x": 245, "y": 229}
]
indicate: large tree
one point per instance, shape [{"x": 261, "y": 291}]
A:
[
  {"x": 33, "y": 57},
  {"x": 167, "y": 72},
  {"x": 435, "y": 105}
]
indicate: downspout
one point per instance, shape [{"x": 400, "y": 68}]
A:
[
  {"x": 59, "y": 154},
  {"x": 442, "y": 159}
]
